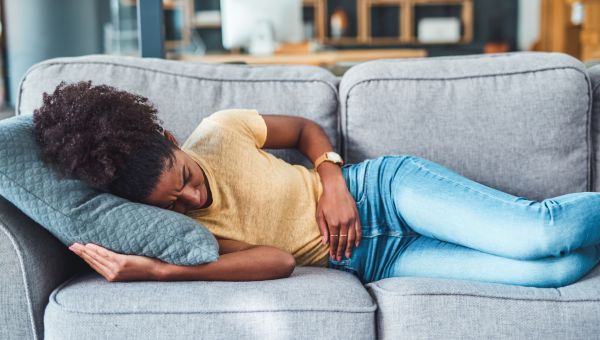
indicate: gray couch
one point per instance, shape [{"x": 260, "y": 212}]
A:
[{"x": 524, "y": 123}]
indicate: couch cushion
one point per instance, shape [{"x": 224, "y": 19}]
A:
[
  {"x": 595, "y": 77},
  {"x": 74, "y": 212},
  {"x": 516, "y": 122},
  {"x": 421, "y": 308},
  {"x": 186, "y": 92},
  {"x": 314, "y": 303}
]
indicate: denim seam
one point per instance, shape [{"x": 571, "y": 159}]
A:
[{"x": 399, "y": 235}]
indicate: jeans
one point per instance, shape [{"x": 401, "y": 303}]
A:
[{"x": 421, "y": 219}]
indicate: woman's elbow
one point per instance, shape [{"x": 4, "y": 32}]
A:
[{"x": 286, "y": 266}]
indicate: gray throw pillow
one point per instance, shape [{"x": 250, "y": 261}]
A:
[{"x": 75, "y": 212}]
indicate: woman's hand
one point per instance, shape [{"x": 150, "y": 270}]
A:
[
  {"x": 338, "y": 217},
  {"x": 117, "y": 267}
]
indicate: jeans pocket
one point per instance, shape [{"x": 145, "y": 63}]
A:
[{"x": 361, "y": 182}]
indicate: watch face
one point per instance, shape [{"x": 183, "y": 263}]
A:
[{"x": 334, "y": 157}]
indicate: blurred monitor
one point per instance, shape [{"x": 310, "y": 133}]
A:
[{"x": 258, "y": 25}]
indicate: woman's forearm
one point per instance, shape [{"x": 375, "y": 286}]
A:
[
  {"x": 313, "y": 142},
  {"x": 256, "y": 263}
]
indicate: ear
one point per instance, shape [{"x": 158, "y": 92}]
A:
[{"x": 170, "y": 137}]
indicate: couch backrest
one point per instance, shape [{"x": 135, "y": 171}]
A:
[
  {"x": 595, "y": 77},
  {"x": 184, "y": 93},
  {"x": 518, "y": 122}
]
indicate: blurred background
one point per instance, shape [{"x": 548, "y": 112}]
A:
[{"x": 335, "y": 34}]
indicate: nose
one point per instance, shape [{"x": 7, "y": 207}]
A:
[{"x": 191, "y": 196}]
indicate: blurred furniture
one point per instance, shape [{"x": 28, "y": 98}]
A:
[
  {"x": 406, "y": 21},
  {"x": 590, "y": 33},
  {"x": 320, "y": 58},
  {"x": 559, "y": 34}
]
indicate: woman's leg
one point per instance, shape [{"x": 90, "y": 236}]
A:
[
  {"x": 427, "y": 257},
  {"x": 438, "y": 203}
]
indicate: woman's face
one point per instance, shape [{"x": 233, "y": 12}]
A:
[{"x": 181, "y": 188}]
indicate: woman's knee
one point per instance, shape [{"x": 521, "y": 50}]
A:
[{"x": 552, "y": 272}]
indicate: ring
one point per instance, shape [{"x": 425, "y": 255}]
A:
[
  {"x": 333, "y": 235},
  {"x": 343, "y": 235}
]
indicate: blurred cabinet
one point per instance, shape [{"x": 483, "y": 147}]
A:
[
  {"x": 590, "y": 33},
  {"x": 404, "y": 19},
  {"x": 559, "y": 34}
]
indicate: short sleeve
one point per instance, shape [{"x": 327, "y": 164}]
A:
[{"x": 249, "y": 123}]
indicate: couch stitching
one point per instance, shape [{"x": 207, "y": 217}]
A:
[
  {"x": 366, "y": 310},
  {"x": 48, "y": 64},
  {"x": 588, "y": 111},
  {"x": 375, "y": 286}
]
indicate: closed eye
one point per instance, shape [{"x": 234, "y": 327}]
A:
[{"x": 185, "y": 179}]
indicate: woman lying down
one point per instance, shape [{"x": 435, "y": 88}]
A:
[{"x": 396, "y": 215}]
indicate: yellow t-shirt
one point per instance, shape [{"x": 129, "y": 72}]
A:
[{"x": 256, "y": 197}]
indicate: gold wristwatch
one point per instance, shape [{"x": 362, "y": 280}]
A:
[{"x": 329, "y": 156}]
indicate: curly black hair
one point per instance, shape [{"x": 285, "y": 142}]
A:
[{"x": 111, "y": 139}]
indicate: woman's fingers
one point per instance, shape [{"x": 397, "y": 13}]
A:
[
  {"x": 87, "y": 255},
  {"x": 350, "y": 241},
  {"x": 342, "y": 240},
  {"x": 323, "y": 227},
  {"x": 334, "y": 238},
  {"x": 102, "y": 256}
]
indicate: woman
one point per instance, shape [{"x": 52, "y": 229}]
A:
[{"x": 385, "y": 217}]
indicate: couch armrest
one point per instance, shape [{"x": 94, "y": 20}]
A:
[
  {"x": 32, "y": 264},
  {"x": 594, "y": 73}
]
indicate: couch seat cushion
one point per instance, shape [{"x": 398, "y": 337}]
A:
[
  {"x": 421, "y": 308},
  {"x": 312, "y": 303}
]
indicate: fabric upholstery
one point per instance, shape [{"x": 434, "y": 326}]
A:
[
  {"x": 74, "y": 212},
  {"x": 184, "y": 92},
  {"x": 314, "y": 303},
  {"x": 32, "y": 264},
  {"x": 516, "y": 122},
  {"x": 421, "y": 308},
  {"x": 595, "y": 78}
]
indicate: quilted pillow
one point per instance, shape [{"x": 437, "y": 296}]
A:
[{"x": 75, "y": 212}]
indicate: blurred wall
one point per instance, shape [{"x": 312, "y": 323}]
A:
[
  {"x": 41, "y": 29},
  {"x": 529, "y": 23}
]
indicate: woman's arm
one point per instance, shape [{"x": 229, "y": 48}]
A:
[
  {"x": 239, "y": 261},
  {"x": 336, "y": 210}
]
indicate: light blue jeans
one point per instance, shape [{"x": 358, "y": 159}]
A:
[{"x": 421, "y": 219}]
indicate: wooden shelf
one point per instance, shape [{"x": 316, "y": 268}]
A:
[
  {"x": 363, "y": 37},
  {"x": 407, "y": 20},
  {"x": 321, "y": 58}
]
